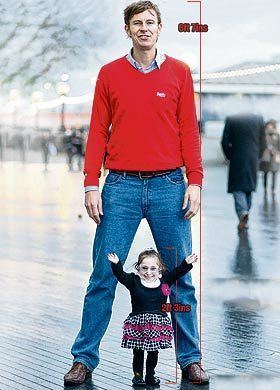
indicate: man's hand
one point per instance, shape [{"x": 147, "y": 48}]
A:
[
  {"x": 93, "y": 204},
  {"x": 192, "y": 195},
  {"x": 113, "y": 258}
]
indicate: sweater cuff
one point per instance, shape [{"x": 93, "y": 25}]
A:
[
  {"x": 186, "y": 266},
  {"x": 117, "y": 266},
  {"x": 91, "y": 188},
  {"x": 195, "y": 178},
  {"x": 91, "y": 180}
]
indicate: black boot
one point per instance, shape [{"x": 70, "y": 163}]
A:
[
  {"x": 152, "y": 380},
  {"x": 137, "y": 380},
  {"x": 151, "y": 363},
  {"x": 137, "y": 366}
]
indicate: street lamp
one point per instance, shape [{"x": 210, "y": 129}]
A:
[
  {"x": 47, "y": 86},
  {"x": 62, "y": 89},
  {"x": 64, "y": 77}
]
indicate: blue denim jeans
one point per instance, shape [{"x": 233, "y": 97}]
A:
[
  {"x": 126, "y": 200},
  {"x": 242, "y": 202}
]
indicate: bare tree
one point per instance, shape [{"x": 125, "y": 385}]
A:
[{"x": 41, "y": 38}]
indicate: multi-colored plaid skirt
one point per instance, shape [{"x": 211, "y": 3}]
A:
[{"x": 147, "y": 331}]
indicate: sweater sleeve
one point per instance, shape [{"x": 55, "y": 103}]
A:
[
  {"x": 100, "y": 122},
  {"x": 189, "y": 133},
  {"x": 124, "y": 278},
  {"x": 171, "y": 277}
]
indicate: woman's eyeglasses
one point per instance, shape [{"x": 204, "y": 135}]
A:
[{"x": 145, "y": 268}]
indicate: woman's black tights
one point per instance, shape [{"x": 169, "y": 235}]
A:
[{"x": 138, "y": 362}]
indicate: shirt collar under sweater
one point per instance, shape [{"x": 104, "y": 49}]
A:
[
  {"x": 156, "y": 64},
  {"x": 154, "y": 284}
]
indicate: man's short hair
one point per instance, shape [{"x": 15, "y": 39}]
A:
[{"x": 137, "y": 8}]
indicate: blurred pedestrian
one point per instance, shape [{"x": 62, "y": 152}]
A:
[
  {"x": 68, "y": 147},
  {"x": 77, "y": 146},
  {"x": 270, "y": 159},
  {"x": 22, "y": 147},
  {"x": 1, "y": 147},
  {"x": 243, "y": 142},
  {"x": 48, "y": 147}
]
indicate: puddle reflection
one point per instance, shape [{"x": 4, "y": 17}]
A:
[
  {"x": 242, "y": 324},
  {"x": 244, "y": 263},
  {"x": 269, "y": 217}
]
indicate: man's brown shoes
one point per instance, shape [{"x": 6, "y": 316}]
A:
[
  {"x": 243, "y": 222},
  {"x": 194, "y": 373},
  {"x": 77, "y": 375}
]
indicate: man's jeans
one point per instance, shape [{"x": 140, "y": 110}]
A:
[
  {"x": 126, "y": 200},
  {"x": 242, "y": 202}
]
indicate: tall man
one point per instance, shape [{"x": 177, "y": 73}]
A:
[
  {"x": 243, "y": 142},
  {"x": 144, "y": 128}
]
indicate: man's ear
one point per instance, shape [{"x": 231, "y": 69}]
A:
[{"x": 127, "y": 30}]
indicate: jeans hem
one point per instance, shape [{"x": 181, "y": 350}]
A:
[
  {"x": 190, "y": 361},
  {"x": 81, "y": 360}
]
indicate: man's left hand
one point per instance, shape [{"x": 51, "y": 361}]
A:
[{"x": 192, "y": 195}]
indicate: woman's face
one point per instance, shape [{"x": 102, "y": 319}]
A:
[
  {"x": 270, "y": 129},
  {"x": 149, "y": 269}
]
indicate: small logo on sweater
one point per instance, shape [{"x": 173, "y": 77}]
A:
[{"x": 161, "y": 94}]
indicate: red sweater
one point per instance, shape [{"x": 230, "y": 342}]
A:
[{"x": 143, "y": 122}]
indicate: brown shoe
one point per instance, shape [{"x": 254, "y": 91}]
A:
[
  {"x": 77, "y": 375},
  {"x": 195, "y": 374},
  {"x": 243, "y": 222}
]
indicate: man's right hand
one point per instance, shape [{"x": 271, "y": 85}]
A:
[{"x": 93, "y": 204}]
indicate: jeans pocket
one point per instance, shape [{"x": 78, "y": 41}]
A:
[
  {"x": 112, "y": 178},
  {"x": 175, "y": 177}
]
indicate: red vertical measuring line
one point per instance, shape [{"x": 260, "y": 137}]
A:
[
  {"x": 176, "y": 328},
  {"x": 200, "y": 219}
]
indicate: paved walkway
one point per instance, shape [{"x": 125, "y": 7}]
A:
[{"x": 45, "y": 265}]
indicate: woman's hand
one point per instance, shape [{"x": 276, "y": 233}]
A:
[
  {"x": 191, "y": 259},
  {"x": 113, "y": 258}
]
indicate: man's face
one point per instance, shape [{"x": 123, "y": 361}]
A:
[{"x": 144, "y": 30}]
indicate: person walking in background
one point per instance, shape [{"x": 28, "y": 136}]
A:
[
  {"x": 148, "y": 327},
  {"x": 68, "y": 147},
  {"x": 77, "y": 145},
  {"x": 270, "y": 159},
  {"x": 243, "y": 141},
  {"x": 1, "y": 147},
  {"x": 45, "y": 142},
  {"x": 48, "y": 147}
]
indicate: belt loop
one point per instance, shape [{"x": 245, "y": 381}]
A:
[{"x": 139, "y": 174}]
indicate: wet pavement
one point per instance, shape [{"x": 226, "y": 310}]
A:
[{"x": 46, "y": 240}]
